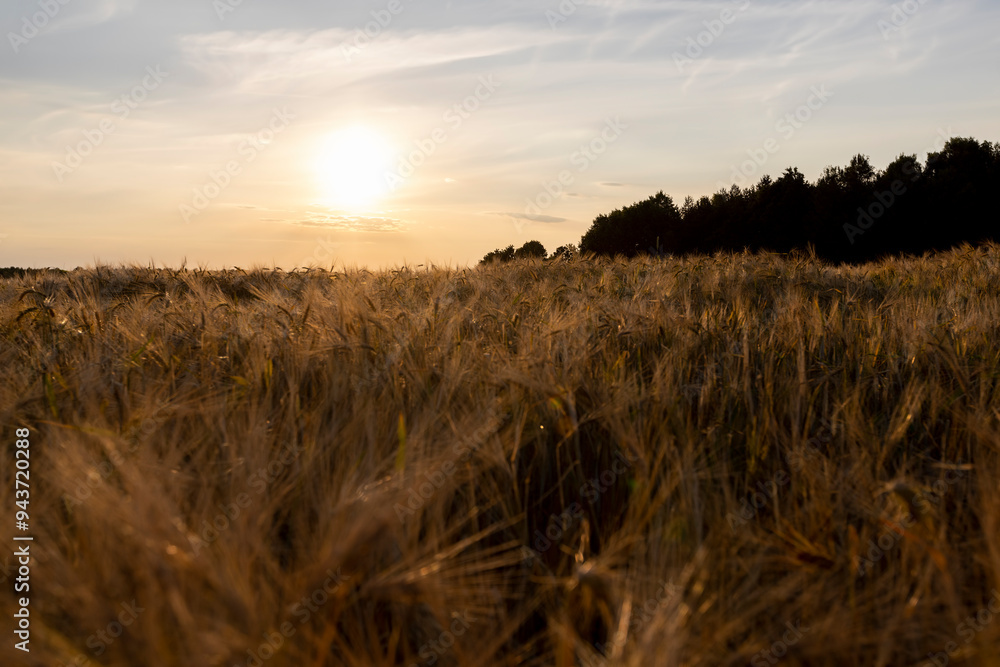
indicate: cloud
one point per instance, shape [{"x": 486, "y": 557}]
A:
[
  {"x": 532, "y": 218},
  {"x": 78, "y": 16},
  {"x": 688, "y": 126},
  {"x": 311, "y": 62},
  {"x": 349, "y": 223}
]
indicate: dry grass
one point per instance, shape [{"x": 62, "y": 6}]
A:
[{"x": 755, "y": 426}]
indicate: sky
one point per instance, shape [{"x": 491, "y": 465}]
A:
[{"x": 403, "y": 132}]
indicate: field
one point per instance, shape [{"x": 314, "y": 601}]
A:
[{"x": 729, "y": 460}]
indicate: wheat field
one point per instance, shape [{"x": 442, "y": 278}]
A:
[{"x": 729, "y": 460}]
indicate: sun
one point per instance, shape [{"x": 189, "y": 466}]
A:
[{"x": 351, "y": 168}]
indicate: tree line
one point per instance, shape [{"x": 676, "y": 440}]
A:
[{"x": 850, "y": 214}]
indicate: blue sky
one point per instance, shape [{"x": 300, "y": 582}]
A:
[{"x": 378, "y": 133}]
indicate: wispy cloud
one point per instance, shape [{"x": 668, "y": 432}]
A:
[
  {"x": 80, "y": 15},
  {"x": 349, "y": 223},
  {"x": 530, "y": 218},
  {"x": 315, "y": 62},
  {"x": 609, "y": 58}
]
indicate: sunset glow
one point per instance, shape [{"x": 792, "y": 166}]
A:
[
  {"x": 434, "y": 132},
  {"x": 351, "y": 168}
]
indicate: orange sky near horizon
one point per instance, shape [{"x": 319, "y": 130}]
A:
[{"x": 394, "y": 132}]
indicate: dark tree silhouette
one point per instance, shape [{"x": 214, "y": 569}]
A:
[
  {"x": 568, "y": 251},
  {"x": 498, "y": 255},
  {"x": 529, "y": 249},
  {"x": 633, "y": 229},
  {"x": 852, "y": 213},
  {"x": 962, "y": 181}
]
